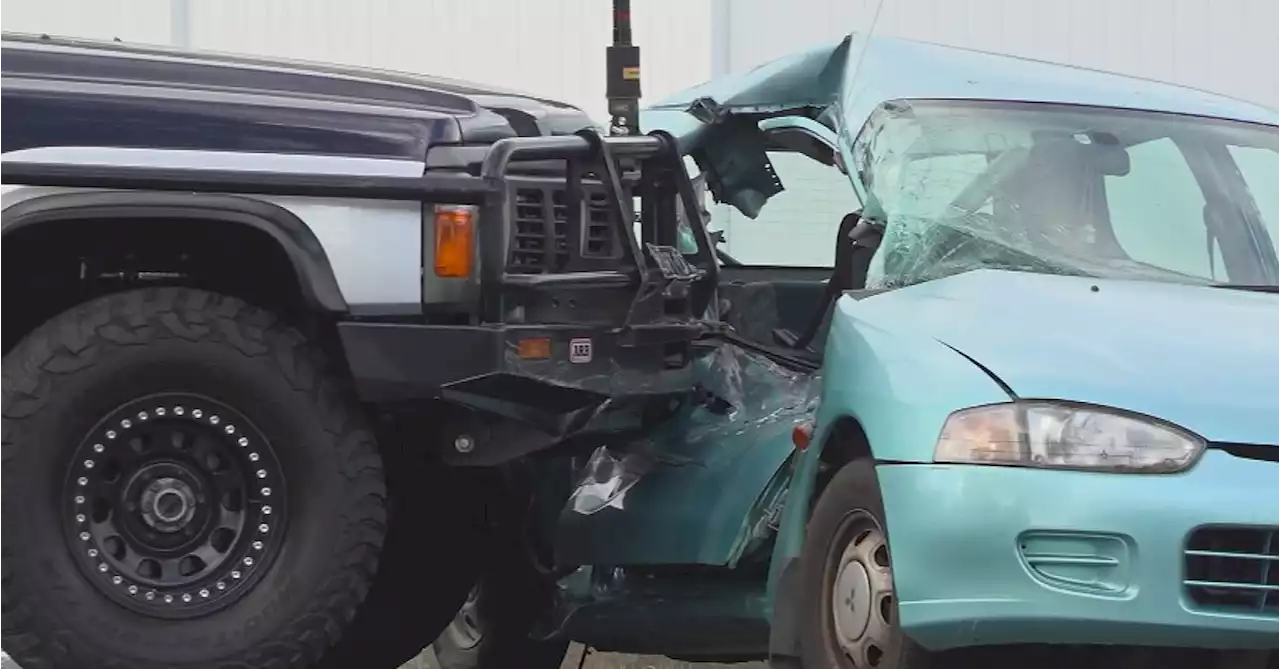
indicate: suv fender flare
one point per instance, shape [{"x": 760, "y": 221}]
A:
[{"x": 307, "y": 256}]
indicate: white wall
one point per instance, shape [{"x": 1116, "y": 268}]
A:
[
  {"x": 1224, "y": 46},
  {"x": 554, "y": 48}
]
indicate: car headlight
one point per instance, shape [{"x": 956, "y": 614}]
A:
[{"x": 1068, "y": 436}]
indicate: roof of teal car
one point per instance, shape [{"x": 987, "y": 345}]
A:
[{"x": 862, "y": 73}]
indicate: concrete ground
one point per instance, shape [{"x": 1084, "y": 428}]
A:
[
  {"x": 594, "y": 661},
  {"x": 606, "y": 661}
]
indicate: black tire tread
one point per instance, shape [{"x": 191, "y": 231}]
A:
[
  {"x": 71, "y": 341},
  {"x": 854, "y": 486}
]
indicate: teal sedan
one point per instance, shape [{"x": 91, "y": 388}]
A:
[{"x": 1047, "y": 405}]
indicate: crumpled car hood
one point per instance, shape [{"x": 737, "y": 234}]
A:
[
  {"x": 1202, "y": 357},
  {"x": 840, "y": 84}
]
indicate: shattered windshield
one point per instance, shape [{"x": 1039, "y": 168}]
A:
[{"x": 1067, "y": 189}]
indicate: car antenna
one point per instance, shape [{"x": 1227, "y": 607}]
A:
[{"x": 622, "y": 88}]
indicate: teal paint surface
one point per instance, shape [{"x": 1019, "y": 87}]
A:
[
  {"x": 705, "y": 472},
  {"x": 898, "y": 382},
  {"x": 955, "y": 534},
  {"x": 1201, "y": 357}
]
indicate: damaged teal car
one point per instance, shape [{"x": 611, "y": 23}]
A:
[{"x": 1023, "y": 401}]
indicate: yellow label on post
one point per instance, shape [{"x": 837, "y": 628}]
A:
[{"x": 631, "y": 73}]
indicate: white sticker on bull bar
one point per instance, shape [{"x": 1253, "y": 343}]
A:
[{"x": 580, "y": 350}]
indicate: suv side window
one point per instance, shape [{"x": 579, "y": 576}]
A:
[{"x": 1157, "y": 211}]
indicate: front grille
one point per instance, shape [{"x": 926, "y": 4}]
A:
[
  {"x": 533, "y": 251},
  {"x": 1232, "y": 569}
]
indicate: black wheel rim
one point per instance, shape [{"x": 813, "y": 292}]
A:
[{"x": 174, "y": 505}]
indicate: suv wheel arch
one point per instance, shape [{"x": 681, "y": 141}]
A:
[{"x": 311, "y": 265}]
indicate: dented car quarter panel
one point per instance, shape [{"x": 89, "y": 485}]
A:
[{"x": 898, "y": 383}]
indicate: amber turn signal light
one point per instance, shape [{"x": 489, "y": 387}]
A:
[
  {"x": 455, "y": 240},
  {"x": 534, "y": 349},
  {"x": 801, "y": 435}
]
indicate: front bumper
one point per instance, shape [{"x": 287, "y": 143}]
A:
[{"x": 1001, "y": 555}]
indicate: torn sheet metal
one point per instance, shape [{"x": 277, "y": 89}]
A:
[
  {"x": 842, "y": 84},
  {"x": 689, "y": 491},
  {"x": 605, "y": 480}
]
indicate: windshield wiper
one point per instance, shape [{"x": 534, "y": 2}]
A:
[{"x": 1257, "y": 288}]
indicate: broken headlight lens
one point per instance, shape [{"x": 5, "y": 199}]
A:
[{"x": 1068, "y": 436}]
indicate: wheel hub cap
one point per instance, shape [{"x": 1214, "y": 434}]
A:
[
  {"x": 861, "y": 605},
  {"x": 852, "y": 598},
  {"x": 168, "y": 504},
  {"x": 175, "y": 505}
]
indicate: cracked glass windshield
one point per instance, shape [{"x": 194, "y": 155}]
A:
[{"x": 1068, "y": 189}]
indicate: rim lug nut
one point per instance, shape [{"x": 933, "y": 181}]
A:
[
  {"x": 266, "y": 492},
  {"x": 111, "y": 434},
  {"x": 84, "y": 536},
  {"x": 257, "y": 545},
  {"x": 160, "y": 411},
  {"x": 151, "y": 594},
  {"x": 266, "y": 510},
  {"x": 79, "y": 517},
  {"x": 204, "y": 592},
  {"x": 88, "y": 464},
  {"x": 142, "y": 415},
  {"x": 263, "y": 528},
  {"x": 248, "y": 561},
  {"x": 244, "y": 441},
  {"x": 186, "y": 596},
  {"x": 230, "y": 429},
  {"x": 82, "y": 481},
  {"x": 117, "y": 580},
  {"x": 222, "y": 585},
  {"x": 168, "y": 599},
  {"x": 126, "y": 423},
  {"x": 133, "y": 589},
  {"x": 79, "y": 499},
  {"x": 98, "y": 448},
  {"x": 102, "y": 567},
  {"x": 196, "y": 413},
  {"x": 235, "y": 574},
  {"x": 178, "y": 411},
  {"x": 93, "y": 552},
  {"x": 214, "y": 420},
  {"x": 253, "y": 457}
]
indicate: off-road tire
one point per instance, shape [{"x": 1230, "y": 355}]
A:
[
  {"x": 431, "y": 559},
  {"x": 852, "y": 489},
  {"x": 80, "y": 365}
]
